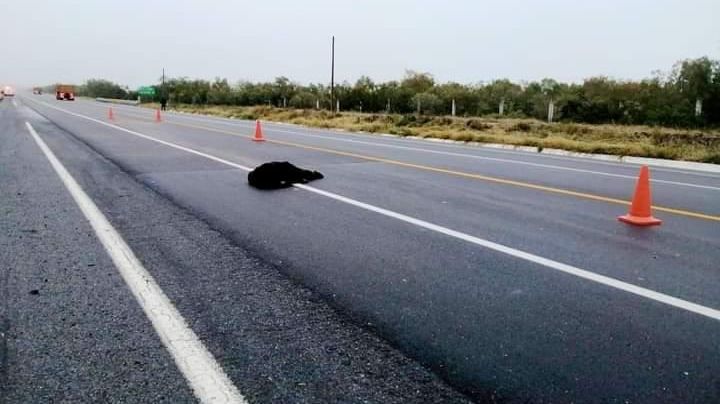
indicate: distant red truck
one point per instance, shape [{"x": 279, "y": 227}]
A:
[{"x": 65, "y": 92}]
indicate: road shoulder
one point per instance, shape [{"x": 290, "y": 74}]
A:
[
  {"x": 70, "y": 329},
  {"x": 277, "y": 341}
]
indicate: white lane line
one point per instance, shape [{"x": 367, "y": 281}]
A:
[
  {"x": 454, "y": 154},
  {"x": 548, "y": 263},
  {"x": 208, "y": 381}
]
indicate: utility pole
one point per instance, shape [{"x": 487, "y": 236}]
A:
[{"x": 332, "y": 75}]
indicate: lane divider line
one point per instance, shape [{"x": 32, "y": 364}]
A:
[
  {"x": 208, "y": 381},
  {"x": 545, "y": 262}
]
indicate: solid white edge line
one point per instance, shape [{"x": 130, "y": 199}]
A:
[
  {"x": 209, "y": 382},
  {"x": 454, "y": 154},
  {"x": 548, "y": 263}
]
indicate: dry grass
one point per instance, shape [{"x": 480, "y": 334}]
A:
[{"x": 644, "y": 141}]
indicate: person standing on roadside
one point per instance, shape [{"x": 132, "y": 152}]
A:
[{"x": 163, "y": 103}]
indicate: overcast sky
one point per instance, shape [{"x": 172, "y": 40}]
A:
[{"x": 130, "y": 41}]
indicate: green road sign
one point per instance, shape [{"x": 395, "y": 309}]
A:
[{"x": 146, "y": 90}]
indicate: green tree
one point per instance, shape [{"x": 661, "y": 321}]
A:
[
  {"x": 220, "y": 93},
  {"x": 694, "y": 77},
  {"x": 464, "y": 97},
  {"x": 417, "y": 82},
  {"x": 303, "y": 99},
  {"x": 500, "y": 92},
  {"x": 428, "y": 103},
  {"x": 102, "y": 88}
]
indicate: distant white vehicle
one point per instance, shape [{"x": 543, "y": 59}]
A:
[{"x": 9, "y": 91}]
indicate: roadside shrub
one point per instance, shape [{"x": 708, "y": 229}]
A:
[
  {"x": 294, "y": 114},
  {"x": 324, "y": 115},
  {"x": 405, "y": 120},
  {"x": 422, "y": 120},
  {"x": 673, "y": 139},
  {"x": 521, "y": 127},
  {"x": 414, "y": 120},
  {"x": 713, "y": 158},
  {"x": 371, "y": 127},
  {"x": 442, "y": 121},
  {"x": 401, "y": 132},
  {"x": 249, "y": 115},
  {"x": 570, "y": 129},
  {"x": 378, "y": 118},
  {"x": 463, "y": 137},
  {"x": 477, "y": 124}
]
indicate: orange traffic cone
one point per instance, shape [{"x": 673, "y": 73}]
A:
[
  {"x": 641, "y": 208},
  {"x": 158, "y": 118},
  {"x": 111, "y": 116},
  {"x": 258, "y": 132}
]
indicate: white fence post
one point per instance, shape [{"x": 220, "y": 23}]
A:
[{"x": 551, "y": 111}]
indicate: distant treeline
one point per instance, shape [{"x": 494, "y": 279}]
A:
[{"x": 688, "y": 96}]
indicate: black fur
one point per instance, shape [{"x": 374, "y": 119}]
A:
[{"x": 280, "y": 174}]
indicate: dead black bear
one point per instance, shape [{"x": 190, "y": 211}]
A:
[{"x": 280, "y": 174}]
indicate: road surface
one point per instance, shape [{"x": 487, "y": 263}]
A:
[{"x": 415, "y": 271}]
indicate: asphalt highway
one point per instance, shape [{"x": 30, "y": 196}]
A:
[{"x": 416, "y": 271}]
